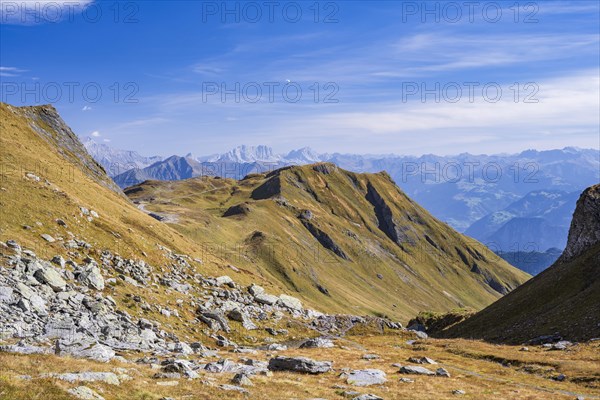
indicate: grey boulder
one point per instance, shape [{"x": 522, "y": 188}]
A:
[{"x": 299, "y": 364}]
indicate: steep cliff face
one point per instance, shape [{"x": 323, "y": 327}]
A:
[
  {"x": 585, "y": 227},
  {"x": 564, "y": 300}
]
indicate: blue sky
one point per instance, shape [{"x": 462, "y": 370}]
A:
[{"x": 149, "y": 75}]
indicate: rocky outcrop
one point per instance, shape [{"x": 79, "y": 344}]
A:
[
  {"x": 324, "y": 239},
  {"x": 49, "y": 125},
  {"x": 585, "y": 226},
  {"x": 385, "y": 218}
]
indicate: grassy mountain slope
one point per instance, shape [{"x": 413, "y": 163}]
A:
[
  {"x": 36, "y": 144},
  {"x": 47, "y": 176},
  {"x": 564, "y": 299},
  {"x": 347, "y": 242}
]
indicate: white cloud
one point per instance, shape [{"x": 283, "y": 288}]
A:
[
  {"x": 32, "y": 12},
  {"x": 86, "y": 108},
  {"x": 11, "y": 71},
  {"x": 106, "y": 140},
  {"x": 95, "y": 134},
  {"x": 566, "y": 114}
]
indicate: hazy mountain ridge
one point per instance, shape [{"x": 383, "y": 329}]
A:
[{"x": 543, "y": 216}]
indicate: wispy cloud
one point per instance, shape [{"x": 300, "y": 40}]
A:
[
  {"x": 142, "y": 122},
  {"x": 11, "y": 71},
  {"x": 33, "y": 12}
]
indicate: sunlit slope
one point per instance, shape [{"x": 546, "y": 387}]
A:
[
  {"x": 36, "y": 144},
  {"x": 342, "y": 241}
]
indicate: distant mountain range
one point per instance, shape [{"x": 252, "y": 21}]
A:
[
  {"x": 511, "y": 202},
  {"x": 115, "y": 161}
]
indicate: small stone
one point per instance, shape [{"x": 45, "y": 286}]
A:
[
  {"x": 406, "y": 380},
  {"x": 442, "y": 372},
  {"x": 367, "y": 397},
  {"x": 59, "y": 260},
  {"x": 317, "y": 343},
  {"x": 459, "y": 392},
  {"x": 560, "y": 378},
  {"x": 234, "y": 388},
  {"x": 85, "y": 393},
  {"x": 409, "y": 369},
  {"x": 242, "y": 380},
  {"x": 48, "y": 238},
  {"x": 422, "y": 360},
  {"x": 370, "y": 357}
]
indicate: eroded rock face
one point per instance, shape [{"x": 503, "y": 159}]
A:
[
  {"x": 585, "y": 226},
  {"x": 299, "y": 364}
]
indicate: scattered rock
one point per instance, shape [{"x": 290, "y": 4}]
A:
[
  {"x": 51, "y": 277},
  {"x": 560, "y": 378},
  {"x": 317, "y": 343},
  {"x": 267, "y": 299},
  {"x": 370, "y": 357},
  {"x": 242, "y": 379},
  {"x": 366, "y": 377},
  {"x": 299, "y": 364},
  {"x": 48, "y": 238},
  {"x": 367, "y": 397},
  {"x": 85, "y": 393},
  {"x": 92, "y": 278},
  {"x": 290, "y": 302},
  {"x": 422, "y": 360},
  {"x": 241, "y": 316},
  {"x": 233, "y": 388},
  {"x": 224, "y": 280},
  {"x": 442, "y": 372},
  {"x": 415, "y": 370},
  {"x": 459, "y": 392}
]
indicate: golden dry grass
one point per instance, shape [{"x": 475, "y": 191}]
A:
[{"x": 513, "y": 375}]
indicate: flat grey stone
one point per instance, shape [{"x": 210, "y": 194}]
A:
[{"x": 366, "y": 377}]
